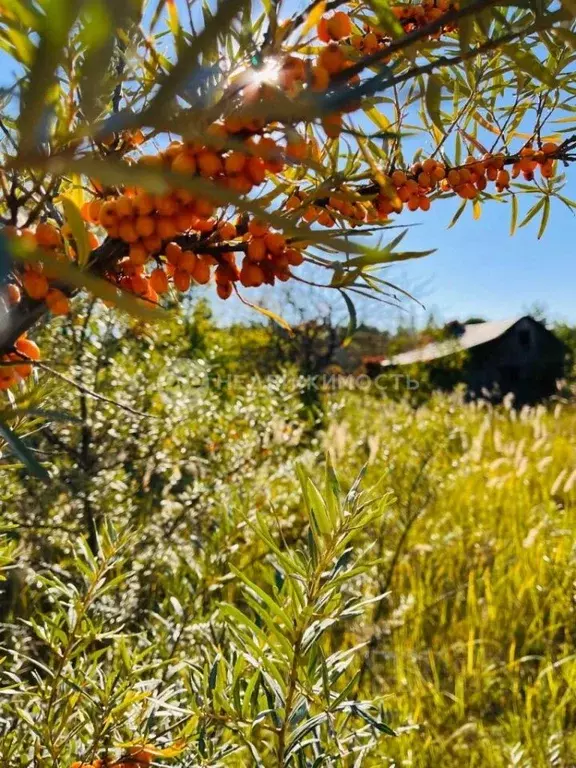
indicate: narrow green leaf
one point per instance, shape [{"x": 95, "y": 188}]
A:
[
  {"x": 458, "y": 213},
  {"x": 532, "y": 212},
  {"x": 353, "y": 318},
  {"x": 19, "y": 448},
  {"x": 527, "y": 62},
  {"x": 545, "y": 217},
  {"x": 513, "y": 214},
  {"x": 433, "y": 101}
]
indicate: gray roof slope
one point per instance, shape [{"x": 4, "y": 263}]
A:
[{"x": 474, "y": 335}]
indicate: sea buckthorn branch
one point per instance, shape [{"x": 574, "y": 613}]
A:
[
  {"x": 449, "y": 17},
  {"x": 158, "y": 243}
]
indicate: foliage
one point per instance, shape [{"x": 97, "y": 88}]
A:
[
  {"x": 189, "y": 600},
  {"x": 147, "y": 148}
]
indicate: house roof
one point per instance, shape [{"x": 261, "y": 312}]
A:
[{"x": 474, "y": 335}]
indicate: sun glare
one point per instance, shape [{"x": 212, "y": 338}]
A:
[{"x": 267, "y": 73}]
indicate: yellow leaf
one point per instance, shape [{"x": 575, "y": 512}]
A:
[
  {"x": 76, "y": 191},
  {"x": 314, "y": 17},
  {"x": 78, "y": 226},
  {"x": 267, "y": 313},
  {"x": 380, "y": 120},
  {"x": 476, "y": 210}
]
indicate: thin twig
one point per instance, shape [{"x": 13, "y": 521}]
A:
[{"x": 81, "y": 388}]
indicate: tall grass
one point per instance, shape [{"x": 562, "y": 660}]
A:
[
  {"x": 470, "y": 657},
  {"x": 476, "y": 645}
]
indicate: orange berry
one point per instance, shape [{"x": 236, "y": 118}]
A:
[
  {"x": 256, "y": 170},
  {"x": 481, "y": 183},
  {"x": 187, "y": 261},
  {"x": 107, "y": 215},
  {"x": 185, "y": 220},
  {"x": 159, "y": 280},
  {"x": 182, "y": 280},
  {"x": 251, "y": 275},
  {"x": 85, "y": 211},
  {"x": 332, "y": 125},
  {"x": 275, "y": 243},
  {"x": 498, "y": 160},
  {"x": 413, "y": 203},
  {"x": 94, "y": 211},
  {"x": 258, "y": 228},
  {"x": 547, "y": 169},
  {"x": 202, "y": 271},
  {"x": 13, "y": 293},
  {"x": 370, "y": 43},
  {"x": 185, "y": 163},
  {"x": 153, "y": 244},
  {"x": 47, "y": 235},
  {"x": 491, "y": 173},
  {"x": 292, "y": 203},
  {"x": 503, "y": 179},
  {"x": 127, "y": 231},
  {"x": 35, "y": 285},
  {"x": 453, "y": 178},
  {"x": 311, "y": 214},
  {"x": 27, "y": 348},
  {"x": 234, "y": 163},
  {"x": 138, "y": 254},
  {"x": 424, "y": 180},
  {"x": 205, "y": 225},
  {"x": 166, "y": 227},
  {"x": 356, "y": 41},
  {"x": 145, "y": 226},
  {"x": 322, "y": 30},
  {"x": 404, "y": 194},
  {"x": 399, "y": 178},
  {"x": 203, "y": 208},
  {"x": 332, "y": 58},
  {"x": 325, "y": 220},
  {"x": 166, "y": 205},
  {"x": 57, "y": 302},
  {"x": 256, "y": 249},
  {"x": 173, "y": 253},
  {"x": 339, "y": 26},
  {"x": 227, "y": 230},
  {"x": 296, "y": 150},
  {"x": 429, "y": 165},
  {"x": 224, "y": 290},
  {"x": 439, "y": 173},
  {"x": 209, "y": 163},
  {"x": 294, "y": 256},
  {"x": 271, "y": 153},
  {"x": 549, "y": 148},
  {"x": 143, "y": 204},
  {"x": 124, "y": 207},
  {"x": 424, "y": 203},
  {"x": 320, "y": 78},
  {"x": 139, "y": 285}
]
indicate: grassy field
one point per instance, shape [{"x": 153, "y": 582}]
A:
[
  {"x": 475, "y": 646},
  {"x": 227, "y": 625}
]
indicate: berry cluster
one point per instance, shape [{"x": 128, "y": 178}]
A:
[
  {"x": 415, "y": 187},
  {"x": 415, "y": 16},
  {"x": 267, "y": 257},
  {"x": 36, "y": 278},
  {"x": 136, "y": 757},
  {"x": 530, "y": 159},
  {"x": 18, "y": 367}
]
